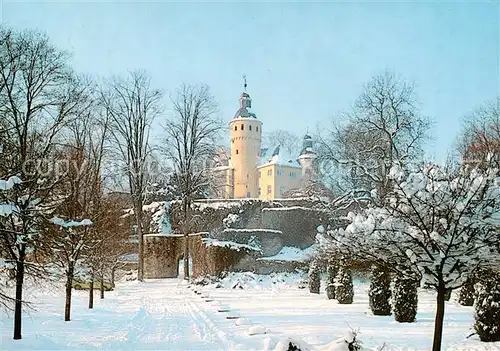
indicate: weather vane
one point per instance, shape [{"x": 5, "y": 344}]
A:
[{"x": 245, "y": 82}]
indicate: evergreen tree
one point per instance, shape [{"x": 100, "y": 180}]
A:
[
  {"x": 487, "y": 307},
  {"x": 405, "y": 299},
  {"x": 314, "y": 278},
  {"x": 380, "y": 291},
  {"x": 466, "y": 295},
  {"x": 330, "y": 287},
  {"x": 344, "y": 292}
]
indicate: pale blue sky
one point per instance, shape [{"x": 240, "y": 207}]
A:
[{"x": 305, "y": 62}]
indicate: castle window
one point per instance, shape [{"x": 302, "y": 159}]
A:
[
  {"x": 279, "y": 172},
  {"x": 293, "y": 174},
  {"x": 242, "y": 127},
  {"x": 269, "y": 172},
  {"x": 260, "y": 191},
  {"x": 259, "y": 174},
  {"x": 257, "y": 129},
  {"x": 249, "y": 127},
  {"x": 237, "y": 152},
  {"x": 235, "y": 127},
  {"x": 269, "y": 189},
  {"x": 282, "y": 190}
]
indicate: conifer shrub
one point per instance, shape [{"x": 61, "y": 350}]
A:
[
  {"x": 330, "y": 287},
  {"x": 487, "y": 307},
  {"x": 344, "y": 292},
  {"x": 405, "y": 299},
  {"x": 380, "y": 291},
  {"x": 466, "y": 294},
  {"x": 314, "y": 278}
]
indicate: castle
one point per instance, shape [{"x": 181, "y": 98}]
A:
[{"x": 247, "y": 170}]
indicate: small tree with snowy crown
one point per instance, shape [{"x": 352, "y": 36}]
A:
[{"x": 439, "y": 223}]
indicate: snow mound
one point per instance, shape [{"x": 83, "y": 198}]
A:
[
  {"x": 243, "y": 321},
  {"x": 289, "y": 344},
  {"x": 233, "y": 315},
  {"x": 257, "y": 330},
  {"x": 223, "y": 308}
]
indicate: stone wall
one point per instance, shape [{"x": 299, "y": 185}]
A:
[
  {"x": 161, "y": 255},
  {"x": 163, "y": 252},
  {"x": 298, "y": 224}
]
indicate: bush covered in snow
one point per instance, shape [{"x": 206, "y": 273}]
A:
[
  {"x": 344, "y": 292},
  {"x": 332, "y": 270},
  {"x": 314, "y": 278},
  {"x": 380, "y": 291},
  {"x": 405, "y": 299},
  {"x": 466, "y": 295},
  {"x": 487, "y": 307}
]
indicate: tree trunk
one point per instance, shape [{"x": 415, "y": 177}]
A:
[
  {"x": 91, "y": 292},
  {"x": 438, "y": 321},
  {"x": 113, "y": 277},
  {"x": 140, "y": 265},
  {"x": 69, "y": 287},
  {"x": 102, "y": 286},
  {"x": 19, "y": 298},
  {"x": 186, "y": 256},
  {"x": 185, "y": 209}
]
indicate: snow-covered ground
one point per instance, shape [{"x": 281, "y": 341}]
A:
[{"x": 169, "y": 315}]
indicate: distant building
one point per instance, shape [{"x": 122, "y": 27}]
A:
[{"x": 247, "y": 170}]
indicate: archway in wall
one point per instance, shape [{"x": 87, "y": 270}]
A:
[{"x": 180, "y": 266}]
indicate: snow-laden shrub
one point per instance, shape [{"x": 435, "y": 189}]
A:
[
  {"x": 487, "y": 307},
  {"x": 349, "y": 342},
  {"x": 314, "y": 278},
  {"x": 380, "y": 291},
  {"x": 466, "y": 295},
  {"x": 330, "y": 286},
  {"x": 344, "y": 291},
  {"x": 405, "y": 299}
]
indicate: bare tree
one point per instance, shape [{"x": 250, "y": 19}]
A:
[
  {"x": 382, "y": 128},
  {"x": 81, "y": 191},
  {"x": 191, "y": 134},
  {"x": 479, "y": 142},
  {"x": 288, "y": 141},
  {"x": 132, "y": 105},
  {"x": 39, "y": 94}
]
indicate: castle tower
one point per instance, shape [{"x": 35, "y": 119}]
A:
[
  {"x": 307, "y": 160},
  {"x": 246, "y": 134}
]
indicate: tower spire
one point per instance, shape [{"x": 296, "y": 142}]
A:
[{"x": 244, "y": 82}]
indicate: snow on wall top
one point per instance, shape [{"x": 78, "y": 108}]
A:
[
  {"x": 291, "y": 208},
  {"x": 253, "y": 230},
  {"x": 229, "y": 244},
  {"x": 292, "y": 254}
]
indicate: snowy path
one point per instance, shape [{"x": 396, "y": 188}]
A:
[
  {"x": 155, "y": 315},
  {"x": 167, "y": 315}
]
